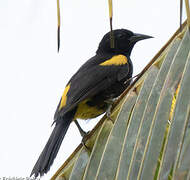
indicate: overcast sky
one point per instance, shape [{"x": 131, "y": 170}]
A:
[{"x": 33, "y": 75}]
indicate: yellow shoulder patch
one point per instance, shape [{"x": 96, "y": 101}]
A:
[
  {"x": 115, "y": 60},
  {"x": 64, "y": 96}
]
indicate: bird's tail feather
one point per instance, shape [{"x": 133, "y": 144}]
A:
[{"x": 51, "y": 148}]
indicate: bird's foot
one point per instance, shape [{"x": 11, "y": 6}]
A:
[
  {"x": 108, "y": 112},
  {"x": 84, "y": 139},
  {"x": 83, "y": 133}
]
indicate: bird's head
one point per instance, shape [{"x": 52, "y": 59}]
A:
[{"x": 124, "y": 41}]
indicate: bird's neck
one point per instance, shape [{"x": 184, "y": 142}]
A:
[{"x": 113, "y": 53}]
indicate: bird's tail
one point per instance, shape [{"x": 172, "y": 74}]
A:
[{"x": 51, "y": 148}]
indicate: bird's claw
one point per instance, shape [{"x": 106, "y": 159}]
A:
[
  {"x": 108, "y": 112},
  {"x": 84, "y": 138}
]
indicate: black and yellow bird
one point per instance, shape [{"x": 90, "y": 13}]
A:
[{"x": 89, "y": 91}]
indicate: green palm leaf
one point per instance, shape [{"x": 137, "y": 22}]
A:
[{"x": 149, "y": 137}]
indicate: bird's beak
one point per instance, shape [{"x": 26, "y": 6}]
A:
[{"x": 138, "y": 37}]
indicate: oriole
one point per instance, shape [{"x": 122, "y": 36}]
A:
[{"x": 86, "y": 95}]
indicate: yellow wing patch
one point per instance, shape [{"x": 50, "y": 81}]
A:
[
  {"x": 115, "y": 60},
  {"x": 64, "y": 97}
]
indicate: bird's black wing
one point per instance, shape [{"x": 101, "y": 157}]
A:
[{"x": 89, "y": 80}]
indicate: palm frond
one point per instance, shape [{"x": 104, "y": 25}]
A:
[
  {"x": 187, "y": 12},
  {"x": 110, "y": 4},
  {"x": 58, "y": 25},
  {"x": 149, "y": 137}
]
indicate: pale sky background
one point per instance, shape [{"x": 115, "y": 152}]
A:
[{"x": 33, "y": 75}]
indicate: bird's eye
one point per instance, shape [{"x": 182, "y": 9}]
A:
[{"x": 121, "y": 36}]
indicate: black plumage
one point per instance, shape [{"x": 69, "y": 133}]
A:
[{"x": 102, "y": 78}]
